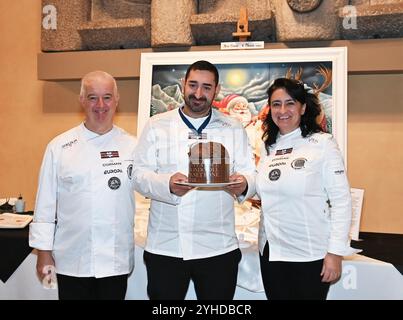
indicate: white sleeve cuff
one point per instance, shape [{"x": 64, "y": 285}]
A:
[
  {"x": 342, "y": 249},
  {"x": 41, "y": 235},
  {"x": 251, "y": 189}
]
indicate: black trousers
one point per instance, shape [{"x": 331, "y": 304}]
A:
[
  {"x": 284, "y": 280},
  {"x": 90, "y": 288},
  {"x": 214, "y": 278}
]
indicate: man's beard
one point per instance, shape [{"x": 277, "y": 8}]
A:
[{"x": 204, "y": 103}]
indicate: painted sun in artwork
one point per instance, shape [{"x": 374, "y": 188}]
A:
[{"x": 236, "y": 78}]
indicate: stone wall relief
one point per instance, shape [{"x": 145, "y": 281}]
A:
[{"x": 120, "y": 24}]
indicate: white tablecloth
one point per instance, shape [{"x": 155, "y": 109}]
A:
[{"x": 363, "y": 279}]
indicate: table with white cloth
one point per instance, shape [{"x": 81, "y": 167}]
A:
[{"x": 362, "y": 278}]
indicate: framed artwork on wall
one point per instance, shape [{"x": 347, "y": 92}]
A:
[{"x": 245, "y": 76}]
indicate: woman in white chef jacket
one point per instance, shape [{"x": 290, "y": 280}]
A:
[{"x": 305, "y": 194}]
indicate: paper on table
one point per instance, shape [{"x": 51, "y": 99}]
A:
[
  {"x": 14, "y": 221},
  {"x": 357, "y": 197}
]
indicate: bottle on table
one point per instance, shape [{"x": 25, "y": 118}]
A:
[{"x": 20, "y": 205}]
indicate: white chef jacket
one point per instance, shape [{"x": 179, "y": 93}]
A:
[
  {"x": 294, "y": 183},
  {"x": 85, "y": 207},
  {"x": 201, "y": 223}
]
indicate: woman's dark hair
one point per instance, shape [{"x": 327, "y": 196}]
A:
[{"x": 297, "y": 91}]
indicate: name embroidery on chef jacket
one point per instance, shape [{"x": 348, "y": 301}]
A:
[
  {"x": 222, "y": 123},
  {"x": 278, "y": 164},
  {"x": 113, "y": 171},
  {"x": 69, "y": 144}
]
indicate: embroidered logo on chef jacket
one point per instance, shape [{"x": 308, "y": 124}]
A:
[
  {"x": 280, "y": 158},
  {"x": 69, "y": 144},
  {"x": 109, "y": 154},
  {"x": 130, "y": 171},
  {"x": 283, "y": 151},
  {"x": 277, "y": 164},
  {"x": 114, "y": 183},
  {"x": 112, "y": 164},
  {"x": 221, "y": 123},
  {"x": 298, "y": 163},
  {"x": 113, "y": 171},
  {"x": 339, "y": 172},
  {"x": 274, "y": 174},
  {"x": 312, "y": 140}
]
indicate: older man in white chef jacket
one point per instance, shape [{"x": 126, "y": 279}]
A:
[{"x": 84, "y": 212}]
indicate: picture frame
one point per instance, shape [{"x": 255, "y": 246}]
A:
[{"x": 248, "y": 73}]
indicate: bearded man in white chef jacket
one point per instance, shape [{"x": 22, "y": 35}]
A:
[
  {"x": 84, "y": 212},
  {"x": 191, "y": 231}
]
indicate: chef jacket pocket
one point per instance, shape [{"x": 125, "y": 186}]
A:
[
  {"x": 66, "y": 183},
  {"x": 74, "y": 183}
]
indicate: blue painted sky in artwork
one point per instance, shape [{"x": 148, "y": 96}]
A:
[{"x": 254, "y": 80}]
